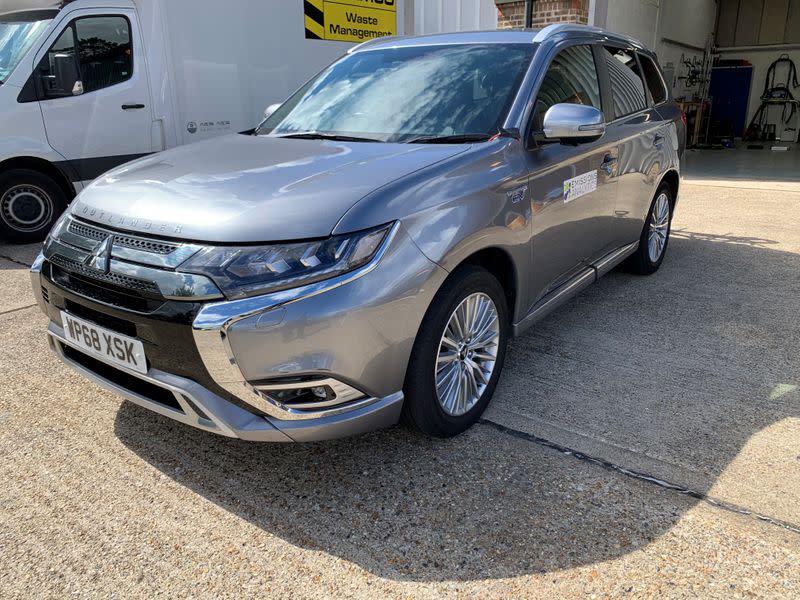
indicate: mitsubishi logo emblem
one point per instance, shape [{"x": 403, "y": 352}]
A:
[{"x": 100, "y": 258}]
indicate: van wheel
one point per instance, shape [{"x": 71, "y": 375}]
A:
[
  {"x": 458, "y": 354},
  {"x": 655, "y": 235},
  {"x": 30, "y": 203}
]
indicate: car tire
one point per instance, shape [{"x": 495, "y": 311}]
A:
[
  {"x": 471, "y": 362},
  {"x": 655, "y": 234},
  {"x": 30, "y": 203}
]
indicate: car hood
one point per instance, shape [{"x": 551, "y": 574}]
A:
[{"x": 243, "y": 188}]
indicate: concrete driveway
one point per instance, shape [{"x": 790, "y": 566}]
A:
[{"x": 644, "y": 440}]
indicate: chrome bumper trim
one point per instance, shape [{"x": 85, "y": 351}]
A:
[
  {"x": 224, "y": 418},
  {"x": 220, "y": 416},
  {"x": 213, "y": 322},
  {"x": 343, "y": 393},
  {"x": 36, "y": 284}
]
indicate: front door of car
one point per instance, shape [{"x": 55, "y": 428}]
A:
[
  {"x": 573, "y": 185},
  {"x": 94, "y": 93}
]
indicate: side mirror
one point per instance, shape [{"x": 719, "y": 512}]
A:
[
  {"x": 573, "y": 122},
  {"x": 64, "y": 79},
  {"x": 271, "y": 109}
]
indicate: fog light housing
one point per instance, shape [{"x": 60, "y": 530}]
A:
[
  {"x": 309, "y": 394},
  {"x": 293, "y": 396}
]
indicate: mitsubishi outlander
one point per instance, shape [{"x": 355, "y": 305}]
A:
[{"x": 366, "y": 253}]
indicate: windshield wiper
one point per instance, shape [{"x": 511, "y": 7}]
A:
[
  {"x": 317, "y": 135},
  {"x": 463, "y": 138}
]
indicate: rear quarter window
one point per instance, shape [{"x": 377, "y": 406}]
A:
[
  {"x": 652, "y": 76},
  {"x": 627, "y": 85}
]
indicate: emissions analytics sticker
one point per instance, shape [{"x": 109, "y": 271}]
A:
[
  {"x": 580, "y": 186},
  {"x": 349, "y": 20}
]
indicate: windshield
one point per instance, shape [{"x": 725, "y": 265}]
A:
[
  {"x": 404, "y": 94},
  {"x": 16, "y": 38}
]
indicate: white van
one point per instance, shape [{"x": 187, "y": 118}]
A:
[
  {"x": 87, "y": 85},
  {"x": 90, "y": 84}
]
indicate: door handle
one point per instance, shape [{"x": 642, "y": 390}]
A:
[
  {"x": 607, "y": 166},
  {"x": 132, "y": 106}
]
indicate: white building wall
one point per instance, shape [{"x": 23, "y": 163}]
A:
[
  {"x": 635, "y": 18},
  {"x": 435, "y": 16},
  {"x": 670, "y": 27}
]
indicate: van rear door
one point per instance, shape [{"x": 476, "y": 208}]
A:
[{"x": 94, "y": 91}]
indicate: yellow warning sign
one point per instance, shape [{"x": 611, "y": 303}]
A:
[{"x": 349, "y": 20}]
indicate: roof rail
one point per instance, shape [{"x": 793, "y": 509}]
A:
[
  {"x": 551, "y": 30},
  {"x": 557, "y": 28}
]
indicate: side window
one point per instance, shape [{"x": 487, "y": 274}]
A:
[
  {"x": 104, "y": 51},
  {"x": 571, "y": 78},
  {"x": 655, "y": 83},
  {"x": 104, "y": 57},
  {"x": 627, "y": 87}
]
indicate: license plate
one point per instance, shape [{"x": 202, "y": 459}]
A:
[{"x": 112, "y": 347}]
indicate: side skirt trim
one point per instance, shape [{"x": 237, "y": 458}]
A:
[{"x": 572, "y": 287}]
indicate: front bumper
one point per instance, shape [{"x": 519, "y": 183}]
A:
[
  {"x": 211, "y": 362},
  {"x": 190, "y": 403}
]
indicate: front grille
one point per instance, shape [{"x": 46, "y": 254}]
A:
[
  {"x": 145, "y": 245},
  {"x": 85, "y": 231},
  {"x": 101, "y": 291},
  {"x": 124, "y": 281},
  {"x": 45, "y": 294}
]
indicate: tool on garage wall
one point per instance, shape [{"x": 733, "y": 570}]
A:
[{"x": 779, "y": 86}]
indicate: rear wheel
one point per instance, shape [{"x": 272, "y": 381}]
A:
[
  {"x": 655, "y": 235},
  {"x": 458, "y": 354},
  {"x": 30, "y": 202}
]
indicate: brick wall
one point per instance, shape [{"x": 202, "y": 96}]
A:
[{"x": 545, "y": 12}]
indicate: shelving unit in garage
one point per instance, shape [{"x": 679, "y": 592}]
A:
[{"x": 698, "y": 119}]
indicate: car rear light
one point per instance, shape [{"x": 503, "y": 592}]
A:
[{"x": 683, "y": 118}]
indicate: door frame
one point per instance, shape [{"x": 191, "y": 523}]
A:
[
  {"x": 87, "y": 168},
  {"x": 566, "y": 281}
]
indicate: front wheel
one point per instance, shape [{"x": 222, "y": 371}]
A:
[
  {"x": 458, "y": 354},
  {"x": 655, "y": 235},
  {"x": 30, "y": 203}
]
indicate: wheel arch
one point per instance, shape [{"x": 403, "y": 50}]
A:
[
  {"x": 42, "y": 166},
  {"x": 499, "y": 263},
  {"x": 673, "y": 180}
]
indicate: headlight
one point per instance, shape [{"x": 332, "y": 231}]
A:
[
  {"x": 241, "y": 271},
  {"x": 57, "y": 229}
]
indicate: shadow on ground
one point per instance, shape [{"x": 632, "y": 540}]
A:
[
  {"x": 682, "y": 365},
  {"x": 19, "y": 255}
]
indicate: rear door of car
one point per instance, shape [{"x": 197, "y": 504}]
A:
[
  {"x": 573, "y": 186},
  {"x": 641, "y": 133}
]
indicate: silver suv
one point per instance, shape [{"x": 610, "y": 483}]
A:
[{"x": 364, "y": 255}]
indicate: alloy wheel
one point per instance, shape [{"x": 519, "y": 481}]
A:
[
  {"x": 467, "y": 354},
  {"x": 659, "y": 228}
]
